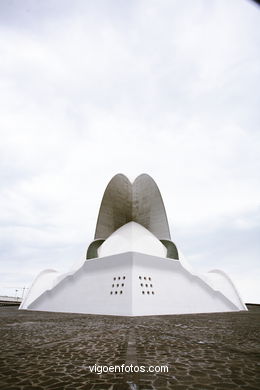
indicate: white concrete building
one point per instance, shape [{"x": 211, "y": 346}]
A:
[{"x": 132, "y": 267}]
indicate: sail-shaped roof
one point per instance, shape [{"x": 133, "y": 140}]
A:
[{"x": 140, "y": 202}]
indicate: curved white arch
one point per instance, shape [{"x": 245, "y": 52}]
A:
[
  {"x": 132, "y": 237},
  {"x": 218, "y": 280},
  {"x": 222, "y": 282},
  {"x": 43, "y": 281}
]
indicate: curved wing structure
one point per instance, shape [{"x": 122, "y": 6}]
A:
[
  {"x": 148, "y": 208},
  {"x": 116, "y": 207},
  {"x": 172, "y": 251},
  {"x": 141, "y": 202},
  {"x": 43, "y": 281},
  {"x": 92, "y": 252}
]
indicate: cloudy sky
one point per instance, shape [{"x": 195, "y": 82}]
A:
[{"x": 89, "y": 89}]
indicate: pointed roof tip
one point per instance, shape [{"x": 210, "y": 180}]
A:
[
  {"x": 119, "y": 175},
  {"x": 145, "y": 176},
  {"x": 123, "y": 176}
]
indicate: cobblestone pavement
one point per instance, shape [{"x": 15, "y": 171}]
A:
[{"x": 202, "y": 351}]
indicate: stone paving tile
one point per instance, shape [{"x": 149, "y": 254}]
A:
[{"x": 203, "y": 351}]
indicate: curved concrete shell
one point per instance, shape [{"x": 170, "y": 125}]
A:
[
  {"x": 148, "y": 208},
  {"x": 140, "y": 202},
  {"x": 92, "y": 251},
  {"x": 116, "y": 207},
  {"x": 172, "y": 251}
]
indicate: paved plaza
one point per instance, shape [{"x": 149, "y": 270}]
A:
[{"x": 41, "y": 350}]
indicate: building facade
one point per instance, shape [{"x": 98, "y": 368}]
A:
[{"x": 132, "y": 266}]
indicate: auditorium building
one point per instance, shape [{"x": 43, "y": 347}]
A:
[{"x": 132, "y": 267}]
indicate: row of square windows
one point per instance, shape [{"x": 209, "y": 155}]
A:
[
  {"x": 121, "y": 292},
  {"x": 122, "y": 284},
  {"x": 115, "y": 292},
  {"x": 113, "y": 285},
  {"x": 140, "y": 277}
]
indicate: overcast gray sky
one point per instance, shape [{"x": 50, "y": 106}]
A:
[{"x": 89, "y": 89}]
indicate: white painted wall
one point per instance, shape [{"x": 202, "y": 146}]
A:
[
  {"x": 132, "y": 237},
  {"x": 88, "y": 290},
  {"x": 44, "y": 281},
  {"x": 176, "y": 290}
]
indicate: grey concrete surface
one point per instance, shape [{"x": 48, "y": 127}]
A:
[
  {"x": 140, "y": 202},
  {"x": 41, "y": 350}
]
